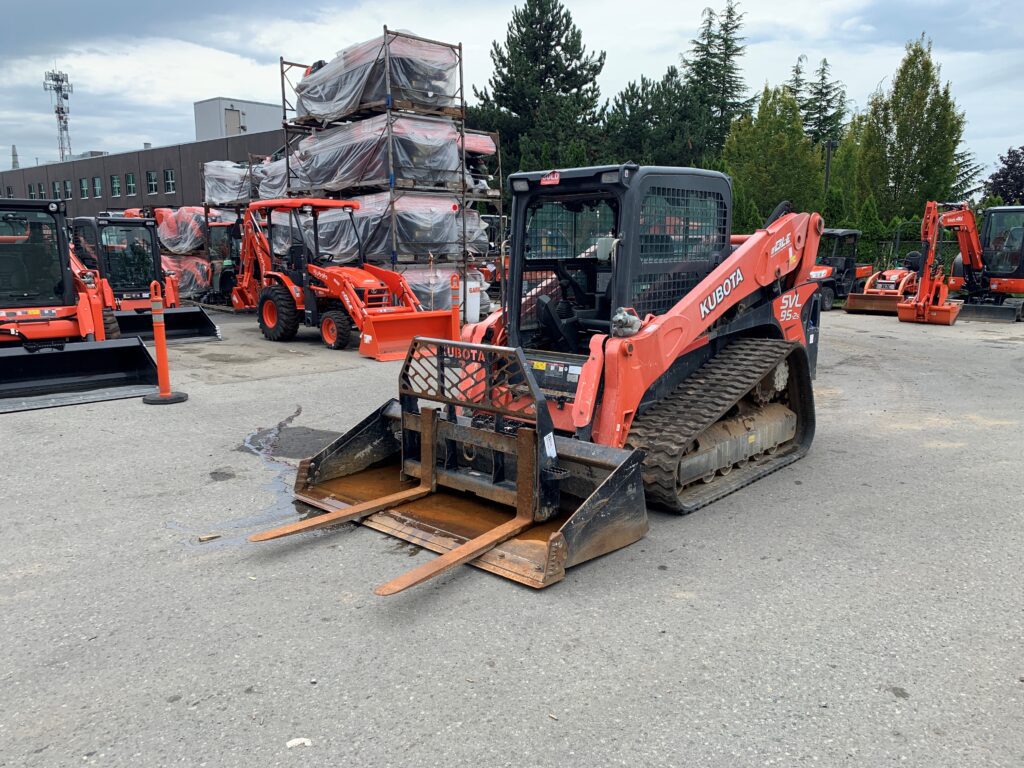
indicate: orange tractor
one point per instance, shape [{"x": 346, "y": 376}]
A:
[
  {"x": 125, "y": 252},
  {"x": 637, "y": 361},
  {"x": 885, "y": 289},
  {"x": 305, "y": 287},
  {"x": 58, "y": 343}
]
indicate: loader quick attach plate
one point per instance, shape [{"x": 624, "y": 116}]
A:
[{"x": 483, "y": 479}]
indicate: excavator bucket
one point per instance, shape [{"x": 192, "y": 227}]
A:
[
  {"x": 872, "y": 303},
  {"x": 386, "y": 335},
  {"x": 932, "y": 314},
  {"x": 465, "y": 463},
  {"x": 75, "y": 372},
  {"x": 182, "y": 324}
]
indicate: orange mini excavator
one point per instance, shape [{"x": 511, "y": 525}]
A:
[
  {"x": 637, "y": 360},
  {"x": 990, "y": 267},
  {"x": 58, "y": 343},
  {"x": 930, "y": 302},
  {"x": 305, "y": 286}
]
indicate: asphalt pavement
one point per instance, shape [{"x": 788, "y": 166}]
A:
[{"x": 861, "y": 607}]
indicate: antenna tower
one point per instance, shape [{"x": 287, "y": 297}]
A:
[{"x": 58, "y": 83}]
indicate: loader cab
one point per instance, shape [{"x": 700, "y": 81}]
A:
[
  {"x": 836, "y": 268},
  {"x": 125, "y": 251},
  {"x": 587, "y": 242},
  {"x": 1002, "y": 242},
  {"x": 35, "y": 267}
]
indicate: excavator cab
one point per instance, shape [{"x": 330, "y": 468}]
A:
[{"x": 126, "y": 253}]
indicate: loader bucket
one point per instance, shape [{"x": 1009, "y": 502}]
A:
[
  {"x": 991, "y": 313},
  {"x": 932, "y": 314},
  {"x": 180, "y": 323},
  {"x": 76, "y": 372},
  {"x": 872, "y": 303},
  {"x": 482, "y": 480},
  {"x": 386, "y": 335}
]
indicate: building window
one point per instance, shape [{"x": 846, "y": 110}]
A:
[
  {"x": 83, "y": 189},
  {"x": 151, "y": 187},
  {"x": 169, "y": 180},
  {"x": 115, "y": 186},
  {"x": 31, "y": 192},
  {"x": 56, "y": 191},
  {"x": 42, "y": 190},
  {"x": 10, "y": 192},
  {"x": 67, "y": 189},
  {"x": 97, "y": 186},
  {"x": 129, "y": 184}
]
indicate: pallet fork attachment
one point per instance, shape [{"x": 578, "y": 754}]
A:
[{"x": 494, "y": 486}]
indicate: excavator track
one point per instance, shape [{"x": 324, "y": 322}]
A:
[{"x": 667, "y": 429}]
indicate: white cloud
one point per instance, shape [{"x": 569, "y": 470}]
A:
[{"x": 234, "y": 54}]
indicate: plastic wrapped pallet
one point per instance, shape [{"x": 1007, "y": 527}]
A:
[
  {"x": 272, "y": 179},
  {"x": 226, "y": 183},
  {"x": 423, "y": 73},
  {"x": 425, "y": 225},
  {"x": 424, "y": 150}
]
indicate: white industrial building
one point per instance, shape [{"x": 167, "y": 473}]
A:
[{"x": 219, "y": 118}]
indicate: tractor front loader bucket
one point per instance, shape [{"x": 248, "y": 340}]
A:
[
  {"x": 482, "y": 479},
  {"x": 872, "y": 303},
  {"x": 386, "y": 335},
  {"x": 75, "y": 372},
  {"x": 180, "y": 323}
]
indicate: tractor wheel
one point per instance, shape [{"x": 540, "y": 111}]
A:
[
  {"x": 859, "y": 286},
  {"x": 828, "y": 299},
  {"x": 336, "y": 329},
  {"x": 110, "y": 327},
  {"x": 279, "y": 320}
]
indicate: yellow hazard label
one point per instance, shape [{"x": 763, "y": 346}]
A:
[
  {"x": 34, "y": 312},
  {"x": 751, "y": 439},
  {"x": 539, "y": 366}
]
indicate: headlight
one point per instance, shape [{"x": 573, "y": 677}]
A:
[{"x": 818, "y": 273}]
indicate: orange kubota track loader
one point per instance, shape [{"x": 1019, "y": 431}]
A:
[
  {"x": 637, "y": 360},
  {"x": 990, "y": 267},
  {"x": 126, "y": 253},
  {"x": 930, "y": 303},
  {"x": 307, "y": 288},
  {"x": 58, "y": 344}
]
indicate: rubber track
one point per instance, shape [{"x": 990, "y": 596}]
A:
[{"x": 666, "y": 429}]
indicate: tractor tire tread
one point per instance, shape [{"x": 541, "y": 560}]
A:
[{"x": 288, "y": 320}]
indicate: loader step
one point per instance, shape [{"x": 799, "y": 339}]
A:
[{"x": 667, "y": 429}]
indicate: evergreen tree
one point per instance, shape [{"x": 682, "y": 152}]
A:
[
  {"x": 629, "y": 123},
  {"x": 770, "y": 158},
  {"x": 834, "y": 209},
  {"x": 907, "y": 152},
  {"x": 713, "y": 76},
  {"x": 797, "y": 82},
  {"x": 543, "y": 92},
  {"x": 968, "y": 173},
  {"x": 1007, "y": 182},
  {"x": 872, "y": 230},
  {"x": 824, "y": 109}
]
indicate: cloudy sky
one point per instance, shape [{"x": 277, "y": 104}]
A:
[{"x": 137, "y": 71}]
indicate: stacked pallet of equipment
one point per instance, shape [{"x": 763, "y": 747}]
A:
[{"x": 384, "y": 123}]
